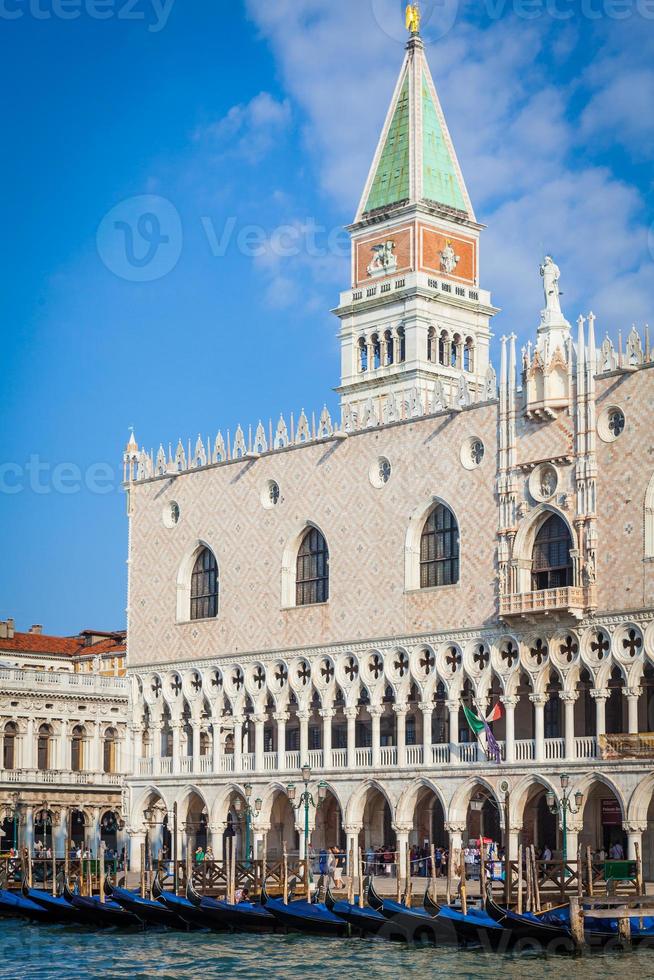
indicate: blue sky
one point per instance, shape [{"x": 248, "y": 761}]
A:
[{"x": 249, "y": 128}]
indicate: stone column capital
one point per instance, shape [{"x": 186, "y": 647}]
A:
[
  {"x": 375, "y": 710},
  {"x": 510, "y": 700},
  {"x": 352, "y": 829},
  {"x": 401, "y": 709},
  {"x": 632, "y": 693},
  {"x": 569, "y": 697},
  {"x": 452, "y": 705},
  {"x": 539, "y": 699},
  {"x": 634, "y": 827},
  {"x": 281, "y": 717},
  {"x": 402, "y": 828},
  {"x": 326, "y": 713},
  {"x": 351, "y": 713},
  {"x": 259, "y": 719},
  {"x": 426, "y": 706},
  {"x": 455, "y": 828}
]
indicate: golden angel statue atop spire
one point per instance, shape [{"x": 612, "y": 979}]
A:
[{"x": 413, "y": 18}]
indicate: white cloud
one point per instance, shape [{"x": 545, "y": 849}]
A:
[
  {"x": 249, "y": 131},
  {"x": 517, "y": 128}
]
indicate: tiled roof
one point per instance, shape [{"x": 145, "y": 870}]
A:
[{"x": 70, "y": 646}]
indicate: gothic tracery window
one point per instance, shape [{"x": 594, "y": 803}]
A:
[
  {"x": 204, "y": 586},
  {"x": 312, "y": 579},
  {"x": 552, "y": 562},
  {"x": 439, "y": 549}
]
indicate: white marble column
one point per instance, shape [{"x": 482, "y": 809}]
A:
[
  {"x": 303, "y": 718},
  {"x": 327, "y": 714},
  {"x": 137, "y": 748},
  {"x": 216, "y": 746},
  {"x": 259, "y": 734},
  {"x": 600, "y": 697},
  {"x": 29, "y": 754},
  {"x": 375, "y": 712},
  {"x": 60, "y": 833},
  {"x": 176, "y": 732},
  {"x": 197, "y": 729},
  {"x": 28, "y": 828},
  {"x": 569, "y": 699},
  {"x": 351, "y": 715},
  {"x": 539, "y": 701},
  {"x": 634, "y": 832},
  {"x": 427, "y": 710},
  {"x": 281, "y": 717},
  {"x": 94, "y": 763},
  {"x": 632, "y": 695},
  {"x": 401, "y": 712},
  {"x": 238, "y": 743},
  {"x": 510, "y": 703},
  {"x": 402, "y": 832},
  {"x": 453, "y": 709},
  {"x": 352, "y": 832},
  {"x": 64, "y": 745}
]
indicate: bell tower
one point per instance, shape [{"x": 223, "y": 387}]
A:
[{"x": 415, "y": 325}]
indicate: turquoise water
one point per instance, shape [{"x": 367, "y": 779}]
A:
[{"x": 61, "y": 953}]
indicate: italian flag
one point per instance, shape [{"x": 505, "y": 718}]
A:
[{"x": 481, "y": 728}]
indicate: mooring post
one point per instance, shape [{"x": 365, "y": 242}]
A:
[
  {"x": 520, "y": 883},
  {"x": 577, "y": 922}
]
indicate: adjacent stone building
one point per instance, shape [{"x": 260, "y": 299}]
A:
[
  {"x": 331, "y": 591},
  {"x": 63, "y": 730}
]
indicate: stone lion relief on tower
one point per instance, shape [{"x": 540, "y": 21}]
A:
[{"x": 384, "y": 259}]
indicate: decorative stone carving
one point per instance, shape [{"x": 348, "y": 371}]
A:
[{"x": 384, "y": 259}]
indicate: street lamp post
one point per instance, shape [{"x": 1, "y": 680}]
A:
[
  {"x": 15, "y": 804},
  {"x": 250, "y": 811},
  {"x": 307, "y": 801},
  {"x": 563, "y": 807}
]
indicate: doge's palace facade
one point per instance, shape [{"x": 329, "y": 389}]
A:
[{"x": 330, "y": 591}]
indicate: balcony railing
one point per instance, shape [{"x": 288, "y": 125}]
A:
[
  {"x": 575, "y": 601},
  {"x": 16, "y": 678},
  {"x": 58, "y": 777},
  {"x": 439, "y": 754}
]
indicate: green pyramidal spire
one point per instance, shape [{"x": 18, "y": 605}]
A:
[{"x": 415, "y": 160}]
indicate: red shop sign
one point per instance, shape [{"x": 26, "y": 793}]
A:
[{"x": 611, "y": 813}]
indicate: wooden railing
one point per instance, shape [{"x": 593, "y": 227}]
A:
[
  {"x": 211, "y": 877},
  {"x": 557, "y": 881}
]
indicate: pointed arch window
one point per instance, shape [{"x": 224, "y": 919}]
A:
[
  {"x": 109, "y": 751},
  {"x": 552, "y": 561},
  {"x": 77, "y": 749},
  {"x": 9, "y": 746},
  {"x": 439, "y": 549},
  {"x": 204, "y": 586},
  {"x": 312, "y": 579},
  {"x": 43, "y": 747}
]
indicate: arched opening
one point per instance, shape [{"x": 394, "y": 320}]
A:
[
  {"x": 390, "y": 347},
  {"x": 431, "y": 338},
  {"x": 444, "y": 348},
  {"x": 312, "y": 574},
  {"x": 44, "y": 748},
  {"x": 615, "y": 704},
  {"x": 439, "y": 549},
  {"x": 428, "y": 828},
  {"x": 204, "y": 586},
  {"x": 282, "y": 827},
  {"x": 377, "y": 833},
  {"x": 109, "y": 826},
  {"x": 363, "y": 355},
  {"x": 455, "y": 352},
  {"x": 329, "y": 831},
  {"x": 77, "y": 828},
  {"x": 469, "y": 355},
  {"x": 77, "y": 746},
  {"x": 553, "y": 715},
  {"x": 43, "y": 828},
  {"x": 376, "y": 352},
  {"x": 552, "y": 562},
  {"x": 482, "y": 820},
  {"x": 648, "y": 843},
  {"x": 9, "y": 745},
  {"x": 196, "y": 823},
  {"x": 539, "y": 824},
  {"x": 602, "y": 820},
  {"x": 401, "y": 344},
  {"x": 109, "y": 746}
]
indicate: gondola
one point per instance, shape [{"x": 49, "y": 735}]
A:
[
  {"x": 180, "y": 906},
  {"x": 57, "y": 908},
  {"x": 302, "y": 916},
  {"x": 151, "y": 913},
  {"x": 15, "y": 905},
  {"x": 237, "y": 917},
  {"x": 415, "y": 924},
  {"x": 364, "y": 921},
  {"x": 530, "y": 932},
  {"x": 105, "y": 915}
]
